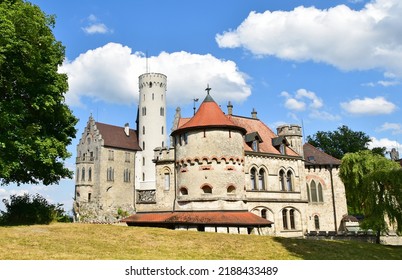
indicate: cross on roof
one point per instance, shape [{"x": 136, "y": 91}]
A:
[{"x": 208, "y": 89}]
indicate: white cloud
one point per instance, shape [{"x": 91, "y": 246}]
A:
[
  {"x": 384, "y": 142},
  {"x": 110, "y": 73},
  {"x": 292, "y": 103},
  {"x": 323, "y": 115},
  {"x": 395, "y": 128},
  {"x": 316, "y": 102},
  {"x": 96, "y": 27},
  {"x": 298, "y": 101},
  {"x": 369, "y": 106},
  {"x": 345, "y": 38}
]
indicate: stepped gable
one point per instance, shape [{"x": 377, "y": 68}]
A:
[
  {"x": 209, "y": 115},
  {"x": 314, "y": 156},
  {"x": 115, "y": 137},
  {"x": 255, "y": 125}
]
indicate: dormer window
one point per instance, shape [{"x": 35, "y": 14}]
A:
[
  {"x": 282, "y": 149},
  {"x": 254, "y": 146}
]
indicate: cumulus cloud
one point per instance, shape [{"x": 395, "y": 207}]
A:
[
  {"x": 384, "y": 142},
  {"x": 303, "y": 100},
  {"x": 110, "y": 73},
  {"x": 298, "y": 101},
  {"x": 95, "y": 27},
  {"x": 345, "y": 38},
  {"x": 369, "y": 106},
  {"x": 395, "y": 128}
]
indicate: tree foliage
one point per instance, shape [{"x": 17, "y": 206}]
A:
[
  {"x": 28, "y": 210},
  {"x": 373, "y": 188},
  {"x": 36, "y": 124},
  {"x": 339, "y": 142}
]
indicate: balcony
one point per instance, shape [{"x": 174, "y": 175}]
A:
[{"x": 84, "y": 159}]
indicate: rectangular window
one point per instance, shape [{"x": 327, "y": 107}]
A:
[
  {"x": 111, "y": 155},
  {"x": 127, "y": 155}
]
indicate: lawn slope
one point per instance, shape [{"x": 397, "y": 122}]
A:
[{"x": 110, "y": 242}]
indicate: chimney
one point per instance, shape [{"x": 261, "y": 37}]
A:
[
  {"x": 230, "y": 108},
  {"x": 254, "y": 114},
  {"x": 127, "y": 129}
]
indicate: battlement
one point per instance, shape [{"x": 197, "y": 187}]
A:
[
  {"x": 149, "y": 80},
  {"x": 289, "y": 130},
  {"x": 163, "y": 154}
]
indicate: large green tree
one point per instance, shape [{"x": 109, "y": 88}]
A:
[
  {"x": 373, "y": 188},
  {"x": 36, "y": 125},
  {"x": 339, "y": 142}
]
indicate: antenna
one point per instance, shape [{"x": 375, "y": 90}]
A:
[
  {"x": 304, "y": 135},
  {"x": 146, "y": 62}
]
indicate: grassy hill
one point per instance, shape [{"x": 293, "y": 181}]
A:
[{"x": 109, "y": 242}]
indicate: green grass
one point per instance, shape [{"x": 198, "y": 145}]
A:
[{"x": 109, "y": 242}]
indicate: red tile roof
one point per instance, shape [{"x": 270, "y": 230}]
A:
[
  {"x": 208, "y": 115},
  {"x": 115, "y": 137},
  {"x": 312, "y": 155},
  {"x": 235, "y": 218},
  {"x": 255, "y": 125}
]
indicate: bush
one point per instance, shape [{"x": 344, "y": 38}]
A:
[{"x": 28, "y": 210}]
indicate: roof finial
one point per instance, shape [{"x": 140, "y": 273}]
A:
[{"x": 208, "y": 89}]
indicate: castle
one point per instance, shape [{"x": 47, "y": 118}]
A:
[{"x": 220, "y": 172}]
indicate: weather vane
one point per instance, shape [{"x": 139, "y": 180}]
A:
[{"x": 195, "y": 100}]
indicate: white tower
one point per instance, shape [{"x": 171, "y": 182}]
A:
[{"x": 152, "y": 131}]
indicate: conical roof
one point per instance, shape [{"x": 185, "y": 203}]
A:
[{"x": 209, "y": 114}]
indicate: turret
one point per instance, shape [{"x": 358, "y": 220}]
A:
[
  {"x": 293, "y": 134},
  {"x": 151, "y": 122}
]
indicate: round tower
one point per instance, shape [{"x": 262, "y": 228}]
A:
[
  {"x": 294, "y": 135},
  {"x": 151, "y": 122},
  {"x": 209, "y": 154}
]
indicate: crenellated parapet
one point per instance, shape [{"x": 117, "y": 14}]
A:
[
  {"x": 202, "y": 160},
  {"x": 149, "y": 80}
]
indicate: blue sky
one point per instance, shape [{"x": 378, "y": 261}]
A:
[{"x": 322, "y": 64}]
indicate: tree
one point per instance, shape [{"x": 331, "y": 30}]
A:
[
  {"x": 28, "y": 210},
  {"x": 373, "y": 188},
  {"x": 36, "y": 125},
  {"x": 339, "y": 142}
]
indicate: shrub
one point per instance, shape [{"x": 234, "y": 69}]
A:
[{"x": 30, "y": 209}]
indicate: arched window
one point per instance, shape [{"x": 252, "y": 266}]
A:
[
  {"x": 143, "y": 129},
  {"x": 320, "y": 196},
  {"x": 292, "y": 219},
  {"x": 253, "y": 179},
  {"x": 90, "y": 174},
  {"x": 261, "y": 179},
  {"x": 264, "y": 213},
  {"x": 289, "y": 180},
  {"x": 316, "y": 222},
  {"x": 167, "y": 180},
  {"x": 308, "y": 192},
  {"x": 231, "y": 189},
  {"x": 183, "y": 191},
  {"x": 143, "y": 145},
  {"x": 206, "y": 189},
  {"x": 285, "y": 218},
  {"x": 282, "y": 180},
  {"x": 77, "y": 176},
  {"x": 83, "y": 174},
  {"x": 313, "y": 190}
]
